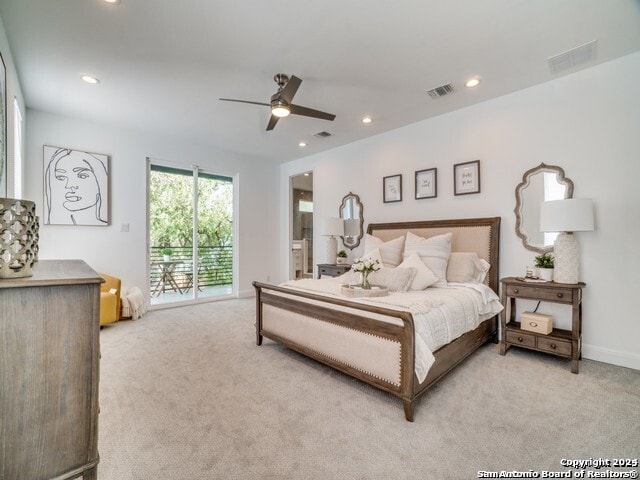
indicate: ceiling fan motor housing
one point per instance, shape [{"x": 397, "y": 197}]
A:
[{"x": 281, "y": 79}]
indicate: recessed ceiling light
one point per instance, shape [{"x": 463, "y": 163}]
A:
[
  {"x": 90, "y": 79},
  {"x": 114, "y": 2},
  {"x": 302, "y": 144},
  {"x": 473, "y": 82},
  {"x": 367, "y": 119},
  {"x": 306, "y": 174}
]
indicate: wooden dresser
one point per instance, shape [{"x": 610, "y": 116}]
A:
[{"x": 49, "y": 363}]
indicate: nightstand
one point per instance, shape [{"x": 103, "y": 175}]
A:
[
  {"x": 564, "y": 343},
  {"x": 332, "y": 270}
]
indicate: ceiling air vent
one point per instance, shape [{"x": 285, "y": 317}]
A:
[
  {"x": 571, "y": 58},
  {"x": 322, "y": 134},
  {"x": 440, "y": 91}
]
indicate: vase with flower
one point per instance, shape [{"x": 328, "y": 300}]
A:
[{"x": 365, "y": 266}]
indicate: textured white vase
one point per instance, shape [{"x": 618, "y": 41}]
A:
[
  {"x": 18, "y": 231},
  {"x": 565, "y": 253}
]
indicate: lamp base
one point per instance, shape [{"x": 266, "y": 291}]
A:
[
  {"x": 332, "y": 249},
  {"x": 565, "y": 252}
]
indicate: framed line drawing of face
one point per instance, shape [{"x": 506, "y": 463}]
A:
[
  {"x": 76, "y": 187},
  {"x": 392, "y": 189},
  {"x": 427, "y": 183}
]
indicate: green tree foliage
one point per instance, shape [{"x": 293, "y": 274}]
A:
[{"x": 171, "y": 211}]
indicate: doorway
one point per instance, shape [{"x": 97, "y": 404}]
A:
[
  {"x": 301, "y": 208},
  {"x": 191, "y": 235}
]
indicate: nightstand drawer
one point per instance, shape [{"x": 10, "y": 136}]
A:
[
  {"x": 554, "y": 345},
  {"x": 327, "y": 271},
  {"x": 559, "y": 295},
  {"x": 332, "y": 270},
  {"x": 520, "y": 338}
]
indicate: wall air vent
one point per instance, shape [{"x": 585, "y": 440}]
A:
[
  {"x": 322, "y": 134},
  {"x": 440, "y": 91},
  {"x": 571, "y": 58}
]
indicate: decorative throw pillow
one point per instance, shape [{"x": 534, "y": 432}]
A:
[
  {"x": 395, "y": 279},
  {"x": 466, "y": 267},
  {"x": 391, "y": 251},
  {"x": 433, "y": 251},
  {"x": 424, "y": 277}
]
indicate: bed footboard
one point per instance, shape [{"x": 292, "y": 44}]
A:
[{"x": 373, "y": 344}]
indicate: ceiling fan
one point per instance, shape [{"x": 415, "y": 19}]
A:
[{"x": 281, "y": 105}]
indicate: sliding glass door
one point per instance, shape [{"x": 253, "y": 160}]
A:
[{"x": 191, "y": 222}]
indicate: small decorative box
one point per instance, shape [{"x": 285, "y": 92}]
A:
[
  {"x": 355, "y": 291},
  {"x": 536, "y": 322}
]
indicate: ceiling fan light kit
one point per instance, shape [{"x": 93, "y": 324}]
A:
[
  {"x": 279, "y": 108},
  {"x": 280, "y": 103}
]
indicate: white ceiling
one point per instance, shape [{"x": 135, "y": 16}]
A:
[{"x": 163, "y": 64}]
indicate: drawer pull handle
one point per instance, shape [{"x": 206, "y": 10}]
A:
[
  {"x": 515, "y": 290},
  {"x": 520, "y": 339},
  {"x": 533, "y": 324},
  {"x": 560, "y": 295},
  {"x": 553, "y": 346}
]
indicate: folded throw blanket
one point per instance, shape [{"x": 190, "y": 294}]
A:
[{"x": 133, "y": 303}]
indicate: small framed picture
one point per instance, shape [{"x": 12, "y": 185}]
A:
[
  {"x": 392, "y": 188},
  {"x": 466, "y": 178},
  {"x": 427, "y": 183}
]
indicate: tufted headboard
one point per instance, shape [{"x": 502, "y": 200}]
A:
[{"x": 479, "y": 235}]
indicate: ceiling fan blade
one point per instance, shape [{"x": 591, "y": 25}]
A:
[
  {"x": 290, "y": 89},
  {"x": 272, "y": 122},
  {"x": 310, "y": 112},
  {"x": 244, "y": 101}
]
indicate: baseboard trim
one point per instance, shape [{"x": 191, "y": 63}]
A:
[
  {"x": 614, "y": 357},
  {"x": 247, "y": 293}
]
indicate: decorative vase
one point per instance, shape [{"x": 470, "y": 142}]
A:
[
  {"x": 166, "y": 258},
  {"x": 341, "y": 261},
  {"x": 18, "y": 232},
  {"x": 364, "y": 280},
  {"x": 545, "y": 274},
  {"x": 36, "y": 240}
]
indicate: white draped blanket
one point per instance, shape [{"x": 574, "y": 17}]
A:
[{"x": 440, "y": 315}]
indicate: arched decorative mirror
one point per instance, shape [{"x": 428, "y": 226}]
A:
[
  {"x": 539, "y": 184},
  {"x": 351, "y": 212}
]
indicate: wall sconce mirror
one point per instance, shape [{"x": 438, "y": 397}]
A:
[
  {"x": 539, "y": 184},
  {"x": 351, "y": 212}
]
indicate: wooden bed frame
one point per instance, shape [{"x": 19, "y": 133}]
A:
[{"x": 365, "y": 320}]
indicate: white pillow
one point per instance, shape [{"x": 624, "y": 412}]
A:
[
  {"x": 434, "y": 252},
  {"x": 391, "y": 251},
  {"x": 395, "y": 279},
  {"x": 424, "y": 276},
  {"x": 466, "y": 267}
]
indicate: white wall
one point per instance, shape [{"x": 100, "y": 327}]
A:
[
  {"x": 124, "y": 254},
  {"x": 588, "y": 123}
]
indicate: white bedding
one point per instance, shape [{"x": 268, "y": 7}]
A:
[{"x": 440, "y": 315}]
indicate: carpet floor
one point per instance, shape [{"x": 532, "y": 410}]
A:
[{"x": 186, "y": 394}]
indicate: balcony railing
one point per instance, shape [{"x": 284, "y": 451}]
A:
[{"x": 215, "y": 267}]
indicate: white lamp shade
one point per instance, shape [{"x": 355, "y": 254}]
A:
[
  {"x": 333, "y": 226},
  {"x": 568, "y": 215}
]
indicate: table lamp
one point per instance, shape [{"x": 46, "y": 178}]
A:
[
  {"x": 332, "y": 227},
  {"x": 566, "y": 216}
]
